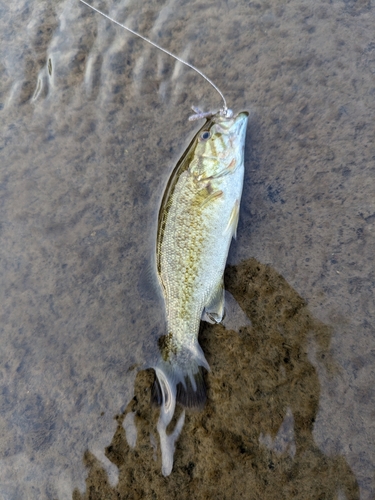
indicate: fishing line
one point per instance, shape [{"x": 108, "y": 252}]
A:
[{"x": 224, "y": 111}]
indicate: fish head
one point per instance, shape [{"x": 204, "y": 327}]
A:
[{"x": 221, "y": 143}]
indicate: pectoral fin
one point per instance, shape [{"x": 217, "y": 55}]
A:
[
  {"x": 211, "y": 197},
  {"x": 214, "y": 309},
  {"x": 228, "y": 169},
  {"x": 233, "y": 220}
]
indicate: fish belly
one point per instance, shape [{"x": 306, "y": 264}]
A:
[{"x": 195, "y": 246}]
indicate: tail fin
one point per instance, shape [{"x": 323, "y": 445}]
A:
[
  {"x": 190, "y": 393},
  {"x": 181, "y": 377}
]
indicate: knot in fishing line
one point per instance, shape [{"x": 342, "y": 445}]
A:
[
  {"x": 226, "y": 112},
  {"x": 199, "y": 114}
]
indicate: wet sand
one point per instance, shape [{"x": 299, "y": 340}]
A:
[
  {"x": 255, "y": 438},
  {"x": 92, "y": 123}
]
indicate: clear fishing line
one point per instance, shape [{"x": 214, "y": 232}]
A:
[{"x": 224, "y": 110}]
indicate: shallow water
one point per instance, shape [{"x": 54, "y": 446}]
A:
[{"x": 93, "y": 121}]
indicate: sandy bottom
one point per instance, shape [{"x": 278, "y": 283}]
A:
[
  {"x": 254, "y": 438},
  {"x": 92, "y": 124}
]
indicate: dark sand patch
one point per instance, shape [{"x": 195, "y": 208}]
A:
[{"x": 257, "y": 376}]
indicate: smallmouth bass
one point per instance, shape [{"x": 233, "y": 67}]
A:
[{"x": 197, "y": 220}]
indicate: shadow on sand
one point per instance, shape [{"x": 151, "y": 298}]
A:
[{"x": 254, "y": 439}]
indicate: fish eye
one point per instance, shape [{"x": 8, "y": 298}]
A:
[{"x": 205, "y": 135}]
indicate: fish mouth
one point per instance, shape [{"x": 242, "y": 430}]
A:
[
  {"x": 236, "y": 125},
  {"x": 240, "y": 121},
  {"x": 244, "y": 113},
  {"x": 241, "y": 116}
]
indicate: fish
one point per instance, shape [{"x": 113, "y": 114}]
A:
[{"x": 198, "y": 218}]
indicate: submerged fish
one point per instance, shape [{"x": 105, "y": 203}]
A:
[{"x": 197, "y": 220}]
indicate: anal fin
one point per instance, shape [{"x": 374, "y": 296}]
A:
[{"x": 215, "y": 307}]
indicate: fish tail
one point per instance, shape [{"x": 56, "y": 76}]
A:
[{"x": 180, "y": 378}]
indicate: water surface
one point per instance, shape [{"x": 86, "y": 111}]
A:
[{"x": 93, "y": 121}]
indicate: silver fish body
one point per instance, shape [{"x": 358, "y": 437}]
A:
[{"x": 197, "y": 220}]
